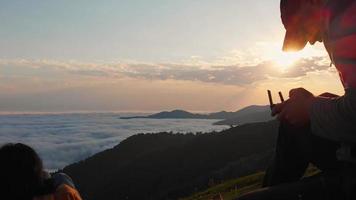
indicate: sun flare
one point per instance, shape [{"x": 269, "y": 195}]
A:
[{"x": 286, "y": 59}]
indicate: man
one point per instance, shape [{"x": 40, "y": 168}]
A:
[{"x": 317, "y": 129}]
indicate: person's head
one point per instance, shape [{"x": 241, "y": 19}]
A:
[
  {"x": 21, "y": 171},
  {"x": 303, "y": 20}
]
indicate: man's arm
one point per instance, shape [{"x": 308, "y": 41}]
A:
[{"x": 335, "y": 118}]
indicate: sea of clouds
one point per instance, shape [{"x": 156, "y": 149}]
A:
[{"x": 61, "y": 139}]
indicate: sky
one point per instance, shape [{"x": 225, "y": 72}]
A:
[{"x": 139, "y": 55}]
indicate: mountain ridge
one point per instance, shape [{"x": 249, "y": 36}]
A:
[{"x": 249, "y": 114}]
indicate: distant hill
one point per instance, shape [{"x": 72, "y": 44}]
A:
[
  {"x": 170, "y": 166},
  {"x": 248, "y": 114},
  {"x": 175, "y": 114}
]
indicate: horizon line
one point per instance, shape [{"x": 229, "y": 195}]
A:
[{"x": 112, "y": 111}]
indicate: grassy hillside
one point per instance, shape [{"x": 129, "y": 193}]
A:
[{"x": 231, "y": 189}]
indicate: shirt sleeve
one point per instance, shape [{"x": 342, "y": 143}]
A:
[
  {"x": 62, "y": 178},
  {"x": 335, "y": 118},
  {"x": 66, "y": 192}
]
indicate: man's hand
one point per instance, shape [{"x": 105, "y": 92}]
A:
[{"x": 295, "y": 110}]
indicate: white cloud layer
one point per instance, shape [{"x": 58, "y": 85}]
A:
[{"x": 61, "y": 139}]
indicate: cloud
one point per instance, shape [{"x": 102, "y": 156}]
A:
[
  {"x": 45, "y": 85},
  {"x": 62, "y": 139},
  {"x": 222, "y": 74}
]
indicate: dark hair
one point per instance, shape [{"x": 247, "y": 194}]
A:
[{"x": 21, "y": 173}]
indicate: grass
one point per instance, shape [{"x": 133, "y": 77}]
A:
[
  {"x": 230, "y": 189},
  {"x": 234, "y": 188}
]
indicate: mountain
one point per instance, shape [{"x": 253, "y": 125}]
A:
[
  {"x": 175, "y": 114},
  {"x": 223, "y": 115},
  {"x": 252, "y": 109},
  {"x": 248, "y": 118},
  {"x": 182, "y": 114},
  {"x": 170, "y": 166},
  {"x": 248, "y": 114}
]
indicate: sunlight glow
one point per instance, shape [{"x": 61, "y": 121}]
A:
[
  {"x": 286, "y": 59},
  {"x": 283, "y": 60}
]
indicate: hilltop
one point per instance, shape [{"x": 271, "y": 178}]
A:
[{"x": 171, "y": 166}]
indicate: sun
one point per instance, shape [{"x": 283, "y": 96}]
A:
[
  {"x": 283, "y": 60},
  {"x": 286, "y": 59}
]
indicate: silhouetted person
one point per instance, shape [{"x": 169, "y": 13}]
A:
[
  {"x": 317, "y": 129},
  {"x": 22, "y": 177}
]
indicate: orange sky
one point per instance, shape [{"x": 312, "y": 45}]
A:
[{"x": 163, "y": 55}]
